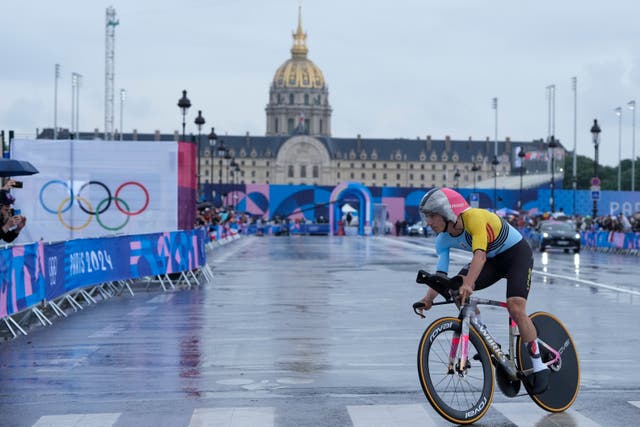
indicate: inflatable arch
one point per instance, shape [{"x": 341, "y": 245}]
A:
[{"x": 365, "y": 206}]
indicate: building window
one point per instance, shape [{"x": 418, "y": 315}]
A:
[
  {"x": 364, "y": 166},
  {"x": 291, "y": 99},
  {"x": 267, "y": 174},
  {"x": 316, "y": 171},
  {"x": 373, "y": 175},
  {"x": 362, "y": 175},
  {"x": 306, "y": 99},
  {"x": 373, "y": 165},
  {"x": 351, "y": 165},
  {"x": 422, "y": 177},
  {"x": 290, "y": 125},
  {"x": 398, "y": 166},
  {"x": 384, "y": 166},
  {"x": 290, "y": 173},
  {"x": 384, "y": 176},
  {"x": 303, "y": 171},
  {"x": 338, "y": 175},
  {"x": 433, "y": 177},
  {"x": 352, "y": 175},
  {"x": 253, "y": 174},
  {"x": 398, "y": 177},
  {"x": 321, "y": 127},
  {"x": 276, "y": 125}
]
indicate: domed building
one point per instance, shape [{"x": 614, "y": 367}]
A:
[{"x": 298, "y": 97}]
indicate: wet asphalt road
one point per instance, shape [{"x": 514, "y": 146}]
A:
[{"x": 308, "y": 331}]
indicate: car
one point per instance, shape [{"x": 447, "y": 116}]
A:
[
  {"x": 555, "y": 234},
  {"x": 418, "y": 229}
]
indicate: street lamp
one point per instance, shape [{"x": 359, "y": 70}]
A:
[
  {"x": 199, "y": 121},
  {"x": 618, "y": 111},
  {"x": 123, "y": 95},
  {"x": 495, "y": 162},
  {"x": 222, "y": 150},
  {"x": 213, "y": 138},
  {"x": 632, "y": 107},
  {"x": 552, "y": 146},
  {"x": 184, "y": 105},
  {"x": 456, "y": 178},
  {"x": 475, "y": 168},
  {"x": 521, "y": 157},
  {"x": 595, "y": 137}
]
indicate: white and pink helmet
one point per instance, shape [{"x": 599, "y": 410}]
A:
[{"x": 443, "y": 201}]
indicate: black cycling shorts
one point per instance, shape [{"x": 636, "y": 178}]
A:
[{"x": 514, "y": 264}]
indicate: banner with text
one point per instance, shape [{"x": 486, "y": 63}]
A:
[{"x": 36, "y": 271}]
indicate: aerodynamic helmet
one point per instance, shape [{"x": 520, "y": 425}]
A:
[{"x": 443, "y": 201}]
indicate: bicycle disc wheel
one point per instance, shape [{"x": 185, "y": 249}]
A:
[
  {"x": 461, "y": 397},
  {"x": 564, "y": 379}
]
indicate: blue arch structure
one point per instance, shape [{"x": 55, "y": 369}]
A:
[{"x": 365, "y": 206}]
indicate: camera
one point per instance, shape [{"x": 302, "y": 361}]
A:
[{"x": 17, "y": 184}]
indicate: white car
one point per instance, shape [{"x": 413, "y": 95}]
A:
[{"x": 419, "y": 229}]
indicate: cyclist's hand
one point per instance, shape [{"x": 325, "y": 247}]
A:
[{"x": 465, "y": 291}]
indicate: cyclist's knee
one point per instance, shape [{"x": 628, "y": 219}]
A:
[{"x": 517, "y": 307}]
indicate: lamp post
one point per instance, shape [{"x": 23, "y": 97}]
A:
[
  {"x": 199, "y": 121},
  {"x": 55, "y": 101},
  {"x": 552, "y": 146},
  {"x": 632, "y": 107},
  {"x": 184, "y": 105},
  {"x": 123, "y": 95},
  {"x": 221, "y": 151},
  {"x": 495, "y": 162},
  {"x": 618, "y": 111},
  {"x": 475, "y": 168},
  {"x": 213, "y": 138},
  {"x": 595, "y": 137},
  {"x": 521, "y": 157},
  {"x": 456, "y": 178}
]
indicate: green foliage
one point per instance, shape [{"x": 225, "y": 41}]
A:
[{"x": 608, "y": 174}]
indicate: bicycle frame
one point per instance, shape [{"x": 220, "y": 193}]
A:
[{"x": 468, "y": 318}]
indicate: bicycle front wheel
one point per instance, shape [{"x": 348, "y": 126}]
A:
[
  {"x": 460, "y": 395},
  {"x": 564, "y": 379}
]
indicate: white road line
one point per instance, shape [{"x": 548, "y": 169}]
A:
[
  {"x": 390, "y": 416},
  {"x": 529, "y": 414},
  {"x": 232, "y": 417},
  {"x": 78, "y": 420},
  {"x": 635, "y": 403},
  {"x": 161, "y": 299}
]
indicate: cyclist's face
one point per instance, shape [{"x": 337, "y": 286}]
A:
[{"x": 436, "y": 222}]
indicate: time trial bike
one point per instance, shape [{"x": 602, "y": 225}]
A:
[{"x": 457, "y": 355}]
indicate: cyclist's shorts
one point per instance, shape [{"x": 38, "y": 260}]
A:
[{"x": 514, "y": 264}]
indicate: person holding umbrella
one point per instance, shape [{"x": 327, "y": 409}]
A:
[{"x": 11, "y": 222}]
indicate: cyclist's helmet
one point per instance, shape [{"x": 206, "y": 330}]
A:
[{"x": 443, "y": 201}]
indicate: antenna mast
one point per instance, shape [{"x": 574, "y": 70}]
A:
[{"x": 109, "y": 74}]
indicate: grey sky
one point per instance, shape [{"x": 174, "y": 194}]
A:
[{"x": 402, "y": 68}]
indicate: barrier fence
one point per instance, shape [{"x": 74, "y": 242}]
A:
[{"x": 39, "y": 276}]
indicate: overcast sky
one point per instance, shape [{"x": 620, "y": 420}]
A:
[{"x": 402, "y": 68}]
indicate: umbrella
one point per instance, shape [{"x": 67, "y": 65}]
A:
[
  {"x": 506, "y": 211},
  {"x": 12, "y": 167},
  {"x": 203, "y": 205}
]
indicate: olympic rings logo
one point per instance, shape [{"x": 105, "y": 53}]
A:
[{"x": 85, "y": 205}]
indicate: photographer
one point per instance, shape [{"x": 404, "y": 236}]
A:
[{"x": 11, "y": 222}]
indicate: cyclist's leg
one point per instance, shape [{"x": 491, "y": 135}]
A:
[
  {"x": 489, "y": 275},
  {"x": 518, "y": 263}
]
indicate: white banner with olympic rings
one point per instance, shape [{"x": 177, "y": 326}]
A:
[{"x": 97, "y": 188}]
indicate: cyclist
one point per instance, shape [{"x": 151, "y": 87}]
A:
[{"x": 499, "y": 251}]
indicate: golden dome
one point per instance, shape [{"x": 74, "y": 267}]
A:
[{"x": 299, "y": 71}]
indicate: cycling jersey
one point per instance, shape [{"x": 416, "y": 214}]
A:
[{"x": 483, "y": 230}]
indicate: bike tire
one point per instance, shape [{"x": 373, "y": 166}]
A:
[
  {"x": 443, "y": 389},
  {"x": 564, "y": 379}
]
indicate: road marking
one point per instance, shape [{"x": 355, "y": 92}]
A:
[
  {"x": 161, "y": 298},
  {"x": 635, "y": 403},
  {"x": 78, "y": 420},
  {"x": 529, "y": 414},
  {"x": 232, "y": 417},
  {"x": 107, "y": 331},
  {"x": 389, "y": 416}
]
